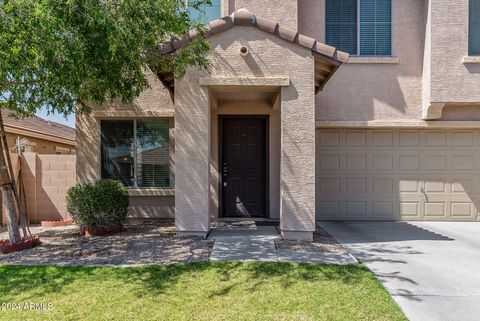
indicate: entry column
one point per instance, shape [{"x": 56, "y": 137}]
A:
[
  {"x": 297, "y": 203},
  {"x": 192, "y": 150}
]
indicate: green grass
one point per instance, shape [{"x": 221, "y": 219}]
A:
[{"x": 198, "y": 291}]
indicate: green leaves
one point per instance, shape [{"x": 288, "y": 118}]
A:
[
  {"x": 63, "y": 54},
  {"x": 102, "y": 203}
]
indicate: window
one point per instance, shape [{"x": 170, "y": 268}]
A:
[
  {"x": 207, "y": 13},
  {"x": 341, "y": 28},
  {"x": 62, "y": 150},
  {"x": 474, "y": 28},
  {"x": 360, "y": 27},
  {"x": 136, "y": 152}
]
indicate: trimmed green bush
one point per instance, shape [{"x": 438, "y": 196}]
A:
[{"x": 103, "y": 203}]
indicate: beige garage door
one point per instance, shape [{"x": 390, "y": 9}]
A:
[{"x": 398, "y": 175}]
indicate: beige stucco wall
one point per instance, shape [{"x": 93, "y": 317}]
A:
[
  {"x": 285, "y": 11},
  {"x": 153, "y": 103},
  {"x": 196, "y": 191},
  {"x": 452, "y": 81},
  {"x": 370, "y": 91},
  {"x": 430, "y": 40}
]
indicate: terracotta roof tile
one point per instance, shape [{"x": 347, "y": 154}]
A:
[
  {"x": 287, "y": 34},
  {"x": 244, "y": 17},
  {"x": 266, "y": 25},
  {"x": 325, "y": 49},
  {"x": 220, "y": 25},
  {"x": 327, "y": 58},
  {"x": 305, "y": 41}
]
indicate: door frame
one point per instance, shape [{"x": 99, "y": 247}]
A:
[{"x": 266, "y": 119}]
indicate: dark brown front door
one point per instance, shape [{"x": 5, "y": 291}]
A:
[{"x": 243, "y": 161}]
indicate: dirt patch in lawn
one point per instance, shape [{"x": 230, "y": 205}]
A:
[
  {"x": 146, "y": 243},
  {"x": 322, "y": 242}
]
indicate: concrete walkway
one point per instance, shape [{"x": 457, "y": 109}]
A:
[
  {"x": 431, "y": 269},
  {"x": 246, "y": 241}
]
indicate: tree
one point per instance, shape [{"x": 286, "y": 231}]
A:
[{"x": 71, "y": 55}]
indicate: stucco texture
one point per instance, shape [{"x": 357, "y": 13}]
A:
[
  {"x": 154, "y": 102},
  {"x": 285, "y": 12},
  {"x": 452, "y": 81},
  {"x": 293, "y": 168},
  {"x": 371, "y": 91}
]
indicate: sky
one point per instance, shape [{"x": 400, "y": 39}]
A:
[{"x": 58, "y": 118}]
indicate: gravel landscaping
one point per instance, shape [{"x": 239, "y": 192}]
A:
[
  {"x": 322, "y": 242},
  {"x": 148, "y": 243}
]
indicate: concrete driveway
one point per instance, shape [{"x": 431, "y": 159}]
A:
[{"x": 431, "y": 269}]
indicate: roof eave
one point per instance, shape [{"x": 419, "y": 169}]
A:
[{"x": 328, "y": 55}]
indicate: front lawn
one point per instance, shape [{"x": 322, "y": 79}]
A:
[{"x": 196, "y": 291}]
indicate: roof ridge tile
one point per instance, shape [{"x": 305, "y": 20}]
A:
[{"x": 244, "y": 17}]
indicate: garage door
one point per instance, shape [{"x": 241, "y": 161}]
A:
[{"x": 398, "y": 175}]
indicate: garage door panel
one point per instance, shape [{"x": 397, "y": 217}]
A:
[
  {"x": 409, "y": 209},
  {"x": 382, "y": 209},
  {"x": 328, "y": 209},
  {"x": 355, "y": 209},
  {"x": 398, "y": 174},
  {"x": 382, "y": 138},
  {"x": 408, "y": 138},
  {"x": 383, "y": 185},
  {"x": 463, "y": 209},
  {"x": 356, "y": 161},
  {"x": 355, "y": 138}
]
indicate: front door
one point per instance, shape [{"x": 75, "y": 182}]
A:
[{"x": 244, "y": 163}]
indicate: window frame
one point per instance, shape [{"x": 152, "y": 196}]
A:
[
  {"x": 135, "y": 185},
  {"x": 469, "y": 49},
  {"x": 357, "y": 54},
  {"x": 220, "y": 7}
]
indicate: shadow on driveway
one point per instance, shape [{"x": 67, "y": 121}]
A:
[{"x": 429, "y": 268}]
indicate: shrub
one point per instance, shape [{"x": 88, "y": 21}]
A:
[{"x": 102, "y": 203}]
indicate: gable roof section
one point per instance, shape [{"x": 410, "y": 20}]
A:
[
  {"x": 36, "y": 126},
  {"x": 327, "y": 58}
]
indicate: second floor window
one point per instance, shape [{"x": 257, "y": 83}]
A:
[
  {"x": 207, "y": 13},
  {"x": 360, "y": 27},
  {"x": 474, "y": 28}
]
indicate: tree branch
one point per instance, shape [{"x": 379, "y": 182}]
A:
[{"x": 19, "y": 83}]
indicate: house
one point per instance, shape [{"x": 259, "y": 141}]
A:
[
  {"x": 312, "y": 110},
  {"x": 34, "y": 134},
  {"x": 47, "y": 165}
]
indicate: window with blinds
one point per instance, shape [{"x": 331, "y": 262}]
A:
[
  {"x": 207, "y": 13},
  {"x": 375, "y": 27},
  {"x": 136, "y": 152},
  {"x": 360, "y": 27},
  {"x": 341, "y": 25},
  {"x": 474, "y": 28}
]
